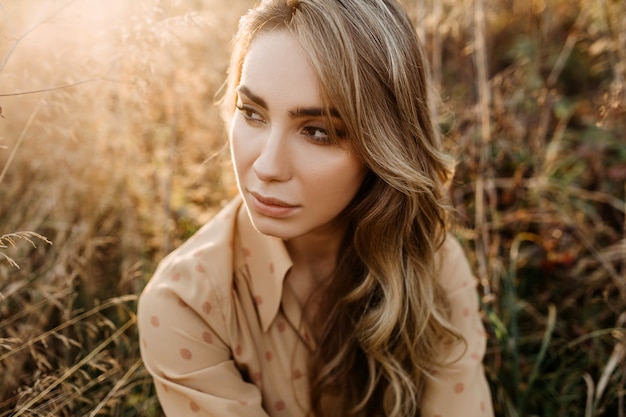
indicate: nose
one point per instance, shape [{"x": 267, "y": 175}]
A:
[{"x": 273, "y": 162}]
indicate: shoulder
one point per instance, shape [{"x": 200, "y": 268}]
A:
[
  {"x": 453, "y": 269},
  {"x": 462, "y": 378},
  {"x": 200, "y": 272}
]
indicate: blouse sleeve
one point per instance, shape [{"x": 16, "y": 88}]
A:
[
  {"x": 460, "y": 389},
  {"x": 183, "y": 346}
]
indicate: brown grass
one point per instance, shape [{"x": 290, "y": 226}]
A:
[{"x": 111, "y": 148}]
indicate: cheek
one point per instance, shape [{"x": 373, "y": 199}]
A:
[
  {"x": 354, "y": 184},
  {"x": 338, "y": 180},
  {"x": 355, "y": 173},
  {"x": 241, "y": 154}
]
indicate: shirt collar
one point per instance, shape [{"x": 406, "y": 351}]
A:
[{"x": 268, "y": 263}]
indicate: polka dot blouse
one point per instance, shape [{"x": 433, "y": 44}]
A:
[{"x": 223, "y": 337}]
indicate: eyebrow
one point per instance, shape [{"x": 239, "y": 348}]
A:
[
  {"x": 313, "y": 112},
  {"x": 242, "y": 89},
  {"x": 298, "y": 112}
]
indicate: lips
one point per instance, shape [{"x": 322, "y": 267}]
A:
[
  {"x": 270, "y": 206},
  {"x": 271, "y": 201}
]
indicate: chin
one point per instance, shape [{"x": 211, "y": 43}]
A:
[
  {"x": 272, "y": 232},
  {"x": 271, "y": 227}
]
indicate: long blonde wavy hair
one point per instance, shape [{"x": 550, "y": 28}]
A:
[{"x": 385, "y": 315}]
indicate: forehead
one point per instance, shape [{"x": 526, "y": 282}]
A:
[{"x": 276, "y": 67}]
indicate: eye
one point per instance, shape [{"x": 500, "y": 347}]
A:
[
  {"x": 323, "y": 135},
  {"x": 249, "y": 114},
  {"x": 316, "y": 134}
]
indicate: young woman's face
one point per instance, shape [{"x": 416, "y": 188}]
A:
[{"x": 293, "y": 179}]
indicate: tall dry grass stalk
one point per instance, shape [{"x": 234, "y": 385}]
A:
[
  {"x": 484, "y": 194},
  {"x": 9, "y": 240},
  {"x": 110, "y": 139},
  {"x": 109, "y": 142}
]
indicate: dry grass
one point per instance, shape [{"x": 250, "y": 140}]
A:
[{"x": 116, "y": 155}]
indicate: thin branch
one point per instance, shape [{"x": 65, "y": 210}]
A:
[
  {"x": 18, "y": 39},
  {"x": 29, "y": 122},
  {"x": 61, "y": 87},
  {"x": 566, "y": 51}
]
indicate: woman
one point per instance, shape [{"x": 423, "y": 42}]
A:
[{"x": 329, "y": 287}]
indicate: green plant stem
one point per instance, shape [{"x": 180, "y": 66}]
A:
[
  {"x": 545, "y": 343},
  {"x": 510, "y": 297}
]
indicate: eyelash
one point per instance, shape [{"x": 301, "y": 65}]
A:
[
  {"x": 326, "y": 139},
  {"x": 247, "y": 113},
  {"x": 252, "y": 117}
]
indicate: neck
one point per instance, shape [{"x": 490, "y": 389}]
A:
[
  {"x": 314, "y": 258},
  {"x": 316, "y": 252}
]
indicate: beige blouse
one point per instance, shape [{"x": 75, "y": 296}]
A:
[{"x": 223, "y": 337}]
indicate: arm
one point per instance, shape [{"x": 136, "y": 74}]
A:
[
  {"x": 460, "y": 389},
  {"x": 184, "y": 347}
]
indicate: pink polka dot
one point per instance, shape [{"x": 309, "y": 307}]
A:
[
  {"x": 482, "y": 407},
  {"x": 268, "y": 356},
  {"x": 207, "y": 307},
  {"x": 279, "y": 406},
  {"x": 144, "y": 343},
  {"x": 476, "y": 356},
  {"x": 246, "y": 252},
  {"x": 208, "y": 337},
  {"x": 238, "y": 350},
  {"x": 466, "y": 312},
  {"x": 194, "y": 407},
  {"x": 154, "y": 320},
  {"x": 185, "y": 354},
  {"x": 281, "y": 326},
  {"x": 465, "y": 283},
  {"x": 271, "y": 268},
  {"x": 200, "y": 269},
  {"x": 459, "y": 388},
  {"x": 481, "y": 332},
  {"x": 296, "y": 374},
  {"x": 244, "y": 403},
  {"x": 176, "y": 277},
  {"x": 258, "y": 299},
  {"x": 257, "y": 376}
]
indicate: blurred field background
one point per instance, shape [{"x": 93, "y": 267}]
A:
[{"x": 111, "y": 148}]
